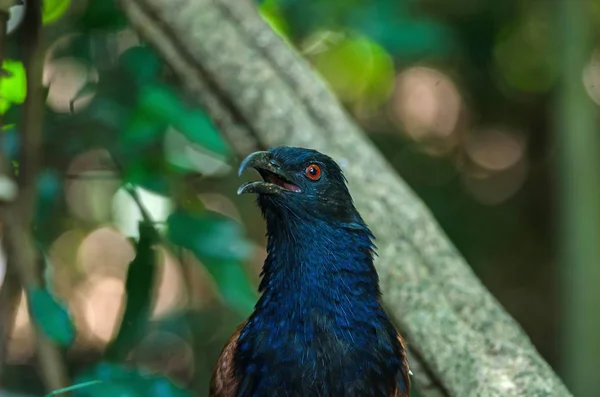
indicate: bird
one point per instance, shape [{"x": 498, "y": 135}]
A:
[{"x": 318, "y": 327}]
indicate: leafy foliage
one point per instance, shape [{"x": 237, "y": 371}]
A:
[
  {"x": 13, "y": 84},
  {"x": 102, "y": 15},
  {"x": 123, "y": 381},
  {"x": 131, "y": 109},
  {"x": 138, "y": 287},
  {"x": 163, "y": 105},
  {"x": 218, "y": 243},
  {"x": 51, "y": 316},
  {"x": 367, "y": 37},
  {"x": 390, "y": 23},
  {"x": 54, "y": 9}
]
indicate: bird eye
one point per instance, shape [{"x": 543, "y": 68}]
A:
[{"x": 313, "y": 171}]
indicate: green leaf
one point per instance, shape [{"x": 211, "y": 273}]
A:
[
  {"x": 140, "y": 152},
  {"x": 393, "y": 26},
  {"x": 210, "y": 236},
  {"x": 141, "y": 63},
  {"x": 140, "y": 280},
  {"x": 120, "y": 381},
  {"x": 104, "y": 15},
  {"x": 107, "y": 112},
  {"x": 142, "y": 130},
  {"x": 411, "y": 38},
  {"x": 271, "y": 12},
  {"x": 51, "y": 316},
  {"x": 234, "y": 285},
  {"x": 163, "y": 104},
  {"x": 320, "y": 14},
  {"x": 162, "y": 387},
  {"x": 147, "y": 172},
  {"x": 218, "y": 243},
  {"x": 13, "y": 85},
  {"x": 54, "y": 10},
  {"x": 114, "y": 389},
  {"x": 198, "y": 128}
]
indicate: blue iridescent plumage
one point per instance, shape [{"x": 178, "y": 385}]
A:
[{"x": 318, "y": 328}]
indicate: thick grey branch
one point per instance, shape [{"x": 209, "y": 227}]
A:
[{"x": 252, "y": 82}]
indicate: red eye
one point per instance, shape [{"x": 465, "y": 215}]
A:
[{"x": 313, "y": 171}]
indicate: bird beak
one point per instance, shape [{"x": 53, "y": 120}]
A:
[{"x": 275, "y": 179}]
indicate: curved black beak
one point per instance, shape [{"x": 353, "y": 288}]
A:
[{"x": 275, "y": 179}]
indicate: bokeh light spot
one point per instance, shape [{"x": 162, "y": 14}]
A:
[
  {"x": 495, "y": 149},
  {"x": 591, "y": 76},
  {"x": 21, "y": 346},
  {"x": 105, "y": 252},
  {"x": 426, "y": 103},
  {"x": 69, "y": 80},
  {"x": 62, "y": 270},
  {"x": 170, "y": 285},
  {"x": 90, "y": 186},
  {"x": 494, "y": 188},
  {"x": 102, "y": 298}
]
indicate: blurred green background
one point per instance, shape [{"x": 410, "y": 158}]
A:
[{"x": 137, "y": 188}]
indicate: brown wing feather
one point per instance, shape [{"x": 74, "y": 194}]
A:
[
  {"x": 223, "y": 382},
  {"x": 404, "y": 372}
]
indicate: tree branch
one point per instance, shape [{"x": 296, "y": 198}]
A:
[
  {"x": 10, "y": 288},
  {"x": 22, "y": 256},
  {"x": 578, "y": 169},
  {"x": 228, "y": 56}
]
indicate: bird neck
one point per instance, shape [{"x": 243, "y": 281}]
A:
[
  {"x": 318, "y": 327},
  {"x": 318, "y": 264}
]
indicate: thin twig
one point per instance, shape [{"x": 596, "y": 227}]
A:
[
  {"x": 31, "y": 127},
  {"x": 21, "y": 252},
  {"x": 138, "y": 201},
  {"x": 10, "y": 288},
  {"x": 74, "y": 387}
]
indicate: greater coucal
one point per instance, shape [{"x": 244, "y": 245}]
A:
[{"x": 318, "y": 328}]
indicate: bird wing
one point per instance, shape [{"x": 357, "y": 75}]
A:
[
  {"x": 403, "y": 379},
  {"x": 224, "y": 382}
]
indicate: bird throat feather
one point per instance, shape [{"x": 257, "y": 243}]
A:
[{"x": 319, "y": 322}]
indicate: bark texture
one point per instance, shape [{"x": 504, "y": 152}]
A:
[{"x": 260, "y": 92}]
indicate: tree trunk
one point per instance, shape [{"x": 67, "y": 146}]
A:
[{"x": 258, "y": 90}]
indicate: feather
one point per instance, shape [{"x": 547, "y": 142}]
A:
[
  {"x": 403, "y": 386},
  {"x": 319, "y": 328},
  {"x": 223, "y": 382}
]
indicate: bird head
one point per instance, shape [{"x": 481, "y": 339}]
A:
[{"x": 300, "y": 182}]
